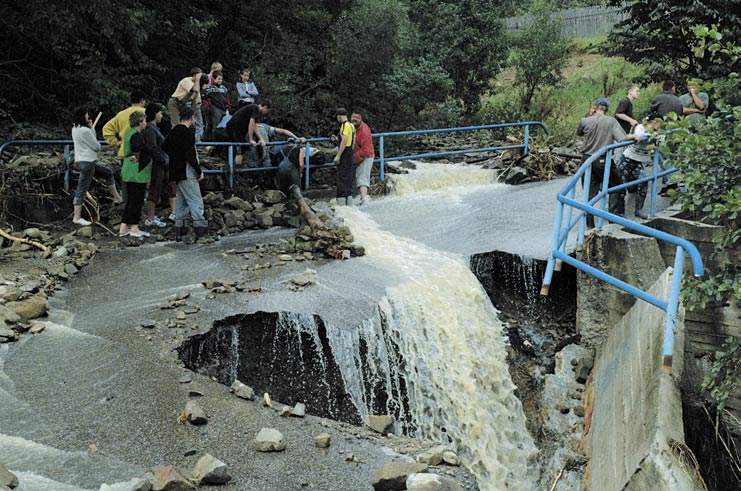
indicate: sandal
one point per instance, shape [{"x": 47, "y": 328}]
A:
[{"x": 124, "y": 234}]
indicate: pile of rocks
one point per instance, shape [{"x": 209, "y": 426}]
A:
[{"x": 23, "y": 295}]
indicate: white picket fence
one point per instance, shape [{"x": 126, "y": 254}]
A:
[{"x": 579, "y": 22}]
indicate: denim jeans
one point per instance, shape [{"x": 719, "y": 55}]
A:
[
  {"x": 87, "y": 170},
  {"x": 189, "y": 199},
  {"x": 199, "y": 123}
]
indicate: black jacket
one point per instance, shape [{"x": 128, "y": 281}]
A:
[{"x": 180, "y": 146}]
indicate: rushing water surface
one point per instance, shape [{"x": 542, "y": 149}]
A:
[{"x": 412, "y": 296}]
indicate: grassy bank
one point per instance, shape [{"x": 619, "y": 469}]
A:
[{"x": 587, "y": 76}]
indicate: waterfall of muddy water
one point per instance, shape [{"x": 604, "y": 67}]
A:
[
  {"x": 454, "y": 360},
  {"x": 431, "y": 177}
]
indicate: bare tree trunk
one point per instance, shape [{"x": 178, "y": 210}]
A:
[{"x": 309, "y": 216}]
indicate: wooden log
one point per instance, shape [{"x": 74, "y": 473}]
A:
[{"x": 306, "y": 213}]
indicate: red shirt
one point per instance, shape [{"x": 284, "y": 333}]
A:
[{"x": 363, "y": 147}]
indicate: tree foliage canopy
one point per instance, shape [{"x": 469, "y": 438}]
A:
[
  {"x": 658, "y": 34},
  {"x": 394, "y": 58}
]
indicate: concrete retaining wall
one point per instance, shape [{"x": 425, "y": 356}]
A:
[{"x": 637, "y": 406}]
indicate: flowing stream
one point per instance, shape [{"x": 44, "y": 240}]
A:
[{"x": 433, "y": 331}]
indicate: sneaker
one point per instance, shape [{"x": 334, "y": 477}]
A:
[
  {"x": 82, "y": 222},
  {"x": 123, "y": 234},
  {"x": 140, "y": 235},
  {"x": 155, "y": 222}
]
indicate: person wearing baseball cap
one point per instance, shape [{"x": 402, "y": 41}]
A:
[{"x": 598, "y": 131}]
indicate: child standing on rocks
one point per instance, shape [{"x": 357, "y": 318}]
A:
[{"x": 86, "y": 162}]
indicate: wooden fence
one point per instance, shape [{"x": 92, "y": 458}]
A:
[{"x": 579, "y": 23}]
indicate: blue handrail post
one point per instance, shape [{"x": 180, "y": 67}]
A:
[
  {"x": 527, "y": 139},
  {"x": 655, "y": 182},
  {"x": 554, "y": 246},
  {"x": 231, "y": 167},
  {"x": 605, "y": 185},
  {"x": 584, "y": 199},
  {"x": 382, "y": 157},
  {"x": 567, "y": 221},
  {"x": 672, "y": 307},
  {"x": 67, "y": 168},
  {"x": 306, "y": 181}
]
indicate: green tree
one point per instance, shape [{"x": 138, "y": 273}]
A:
[
  {"x": 709, "y": 157},
  {"x": 465, "y": 37},
  {"x": 539, "y": 53},
  {"x": 658, "y": 34}
]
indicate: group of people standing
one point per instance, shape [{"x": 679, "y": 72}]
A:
[
  {"x": 153, "y": 164},
  {"x": 149, "y": 163},
  {"x": 599, "y": 130}
]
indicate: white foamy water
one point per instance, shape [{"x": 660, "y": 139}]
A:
[
  {"x": 429, "y": 176},
  {"x": 28, "y": 481},
  {"x": 455, "y": 368}
]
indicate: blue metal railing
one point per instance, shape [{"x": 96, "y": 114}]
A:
[
  {"x": 231, "y": 170},
  {"x": 564, "y": 223}
]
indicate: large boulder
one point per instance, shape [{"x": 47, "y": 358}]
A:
[
  {"x": 383, "y": 424},
  {"x": 431, "y": 482},
  {"x": 7, "y": 478},
  {"x": 169, "y": 478},
  {"x": 30, "y": 308},
  {"x": 393, "y": 476},
  {"x": 269, "y": 440},
  {"x": 210, "y": 470}
]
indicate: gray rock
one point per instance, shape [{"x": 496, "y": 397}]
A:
[
  {"x": 239, "y": 204},
  {"x": 322, "y": 440},
  {"x": 142, "y": 485},
  {"x": 285, "y": 411},
  {"x": 8, "y": 315},
  {"x": 382, "y": 424},
  {"x": 32, "y": 233},
  {"x": 71, "y": 269},
  {"x": 30, "y": 308},
  {"x": 243, "y": 391},
  {"x": 393, "y": 476},
  {"x": 169, "y": 478},
  {"x": 515, "y": 175},
  {"x": 37, "y": 328},
  {"x": 432, "y": 456},
  {"x": 9, "y": 293},
  {"x": 185, "y": 379},
  {"x": 299, "y": 410},
  {"x": 272, "y": 196},
  {"x": 210, "y": 470},
  {"x": 195, "y": 413},
  {"x": 451, "y": 458},
  {"x": 264, "y": 220},
  {"x": 7, "y": 334},
  {"x": 431, "y": 482},
  {"x": 86, "y": 232},
  {"x": 60, "y": 252},
  {"x": 7, "y": 478},
  {"x": 269, "y": 440}
]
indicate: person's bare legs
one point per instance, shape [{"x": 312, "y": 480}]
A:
[
  {"x": 363, "y": 192},
  {"x": 117, "y": 199}
]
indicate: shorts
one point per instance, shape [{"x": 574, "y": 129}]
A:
[
  {"x": 363, "y": 172},
  {"x": 160, "y": 176}
]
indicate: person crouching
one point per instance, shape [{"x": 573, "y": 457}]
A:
[{"x": 185, "y": 170}]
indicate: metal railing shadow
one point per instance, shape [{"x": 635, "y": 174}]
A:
[{"x": 565, "y": 221}]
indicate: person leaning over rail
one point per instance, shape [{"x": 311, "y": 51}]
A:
[
  {"x": 243, "y": 127},
  {"x": 136, "y": 173},
  {"x": 186, "y": 94},
  {"x": 344, "y": 159},
  {"x": 630, "y": 167},
  {"x": 600, "y": 130},
  {"x": 86, "y": 162}
]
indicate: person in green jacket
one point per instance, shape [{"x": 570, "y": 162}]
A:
[{"x": 136, "y": 172}]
